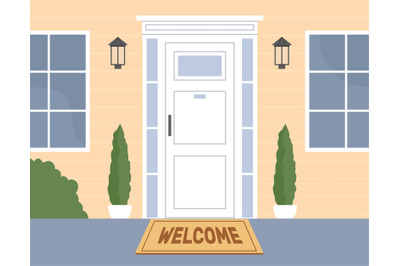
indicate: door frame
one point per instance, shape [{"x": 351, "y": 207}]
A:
[
  {"x": 237, "y": 28},
  {"x": 227, "y": 85}
]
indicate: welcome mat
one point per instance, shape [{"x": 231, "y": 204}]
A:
[{"x": 199, "y": 237}]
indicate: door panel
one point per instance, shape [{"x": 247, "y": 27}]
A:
[
  {"x": 200, "y": 141},
  {"x": 199, "y": 117},
  {"x": 197, "y": 176}
]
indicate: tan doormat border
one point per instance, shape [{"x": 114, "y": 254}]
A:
[{"x": 199, "y": 236}]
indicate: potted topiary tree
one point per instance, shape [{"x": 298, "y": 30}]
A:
[
  {"x": 120, "y": 177},
  {"x": 285, "y": 177}
]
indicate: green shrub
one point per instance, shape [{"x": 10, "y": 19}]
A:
[
  {"x": 285, "y": 170},
  {"x": 53, "y": 195},
  {"x": 120, "y": 176}
]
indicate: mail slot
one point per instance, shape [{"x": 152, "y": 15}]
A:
[{"x": 199, "y": 96}]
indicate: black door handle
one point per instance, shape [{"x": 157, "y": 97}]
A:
[{"x": 169, "y": 125}]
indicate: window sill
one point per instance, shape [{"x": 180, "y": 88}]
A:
[
  {"x": 337, "y": 149},
  {"x": 87, "y": 149}
]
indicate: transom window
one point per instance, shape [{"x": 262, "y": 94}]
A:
[
  {"x": 59, "y": 91},
  {"x": 200, "y": 66},
  {"x": 337, "y": 93}
]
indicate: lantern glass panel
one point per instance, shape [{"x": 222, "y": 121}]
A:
[
  {"x": 121, "y": 55},
  {"x": 278, "y": 55},
  {"x": 114, "y": 55},
  {"x": 285, "y": 55}
]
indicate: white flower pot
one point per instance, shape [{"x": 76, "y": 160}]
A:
[
  {"x": 119, "y": 211},
  {"x": 285, "y": 211}
]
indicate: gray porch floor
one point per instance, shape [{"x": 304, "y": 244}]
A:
[{"x": 284, "y": 242}]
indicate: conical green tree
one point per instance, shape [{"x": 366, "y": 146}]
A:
[
  {"x": 285, "y": 170},
  {"x": 120, "y": 170}
]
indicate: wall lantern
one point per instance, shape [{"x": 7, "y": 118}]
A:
[
  {"x": 282, "y": 54},
  {"x": 117, "y": 55}
]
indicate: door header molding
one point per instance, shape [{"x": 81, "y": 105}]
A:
[
  {"x": 199, "y": 25},
  {"x": 199, "y": 18}
]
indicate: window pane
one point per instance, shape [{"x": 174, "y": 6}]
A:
[
  {"x": 38, "y": 52},
  {"x": 152, "y": 59},
  {"x": 152, "y": 196},
  {"x": 327, "y": 130},
  {"x": 38, "y": 91},
  {"x": 327, "y": 52},
  {"x": 358, "y": 52},
  {"x": 38, "y": 130},
  {"x": 67, "y": 52},
  {"x": 67, "y": 90},
  {"x": 247, "y": 150},
  {"x": 358, "y": 130},
  {"x": 152, "y": 105},
  {"x": 358, "y": 90},
  {"x": 247, "y": 59},
  {"x": 327, "y": 91},
  {"x": 152, "y": 151},
  {"x": 247, "y": 196},
  {"x": 247, "y": 105},
  {"x": 199, "y": 65},
  {"x": 67, "y": 130}
]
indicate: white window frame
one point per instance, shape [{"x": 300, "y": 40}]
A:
[
  {"x": 307, "y": 94},
  {"x": 87, "y": 92}
]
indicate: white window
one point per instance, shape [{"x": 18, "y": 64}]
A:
[
  {"x": 337, "y": 91},
  {"x": 59, "y": 91}
]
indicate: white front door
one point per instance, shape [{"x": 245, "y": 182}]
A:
[{"x": 199, "y": 130}]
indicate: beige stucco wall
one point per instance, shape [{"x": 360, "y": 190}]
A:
[{"x": 329, "y": 185}]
